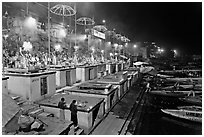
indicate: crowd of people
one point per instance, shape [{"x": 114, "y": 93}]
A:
[{"x": 24, "y": 59}]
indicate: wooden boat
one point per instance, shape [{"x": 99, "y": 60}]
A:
[
  {"x": 168, "y": 93},
  {"x": 190, "y": 108},
  {"x": 195, "y": 100},
  {"x": 192, "y": 113}
]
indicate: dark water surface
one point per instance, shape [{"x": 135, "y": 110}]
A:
[{"x": 155, "y": 122}]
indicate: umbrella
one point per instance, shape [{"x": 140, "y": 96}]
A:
[
  {"x": 63, "y": 10},
  {"x": 153, "y": 72},
  {"x": 118, "y": 36},
  {"x": 124, "y": 39},
  {"x": 139, "y": 63},
  {"x": 146, "y": 69},
  {"x": 100, "y": 28},
  {"x": 85, "y": 21},
  {"x": 111, "y": 33}
]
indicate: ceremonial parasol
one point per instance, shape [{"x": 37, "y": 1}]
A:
[
  {"x": 85, "y": 21},
  {"x": 63, "y": 10},
  {"x": 101, "y": 28}
]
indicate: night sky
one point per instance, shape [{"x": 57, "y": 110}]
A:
[{"x": 176, "y": 25}]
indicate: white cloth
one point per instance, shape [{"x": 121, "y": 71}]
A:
[{"x": 35, "y": 125}]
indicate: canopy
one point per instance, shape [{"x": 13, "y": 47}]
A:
[
  {"x": 153, "y": 72},
  {"x": 9, "y": 109},
  {"x": 140, "y": 63},
  {"x": 85, "y": 21},
  {"x": 63, "y": 10},
  {"x": 146, "y": 69},
  {"x": 100, "y": 28}
]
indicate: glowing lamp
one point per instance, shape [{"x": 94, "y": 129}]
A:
[
  {"x": 109, "y": 43},
  {"x": 93, "y": 49},
  {"x": 62, "y": 33},
  {"x": 30, "y": 23},
  {"x": 115, "y": 45},
  {"x": 58, "y": 47},
  {"x": 27, "y": 46}
]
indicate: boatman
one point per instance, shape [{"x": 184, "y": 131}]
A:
[
  {"x": 73, "y": 109},
  {"x": 62, "y": 105}
]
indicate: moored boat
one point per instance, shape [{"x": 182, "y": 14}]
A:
[
  {"x": 194, "y": 100},
  {"x": 168, "y": 93},
  {"x": 189, "y": 113}
]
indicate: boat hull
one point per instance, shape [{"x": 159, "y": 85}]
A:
[{"x": 188, "y": 115}]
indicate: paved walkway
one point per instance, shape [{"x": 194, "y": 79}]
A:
[{"x": 117, "y": 116}]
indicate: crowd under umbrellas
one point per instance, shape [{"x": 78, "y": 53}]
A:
[
  {"x": 43, "y": 46},
  {"x": 48, "y": 57}
]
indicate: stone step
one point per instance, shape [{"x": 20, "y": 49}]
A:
[
  {"x": 36, "y": 112},
  {"x": 46, "y": 114},
  {"x": 29, "y": 107},
  {"x": 20, "y": 102},
  {"x": 78, "y": 132},
  {"x": 15, "y": 97}
]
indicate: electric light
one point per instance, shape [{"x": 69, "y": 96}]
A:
[
  {"x": 62, "y": 33},
  {"x": 27, "y": 46},
  {"x": 30, "y": 23},
  {"x": 58, "y": 47}
]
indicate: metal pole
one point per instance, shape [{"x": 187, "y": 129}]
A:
[
  {"x": 49, "y": 36},
  {"x": 70, "y": 36},
  {"x": 75, "y": 23}
]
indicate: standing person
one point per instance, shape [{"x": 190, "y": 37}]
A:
[
  {"x": 73, "y": 109},
  {"x": 62, "y": 106}
]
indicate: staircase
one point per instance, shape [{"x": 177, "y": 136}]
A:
[{"x": 35, "y": 110}]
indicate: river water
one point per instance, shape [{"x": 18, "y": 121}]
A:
[{"x": 155, "y": 122}]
